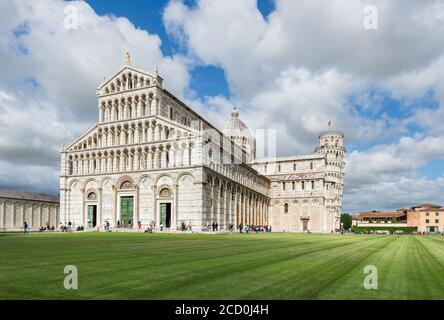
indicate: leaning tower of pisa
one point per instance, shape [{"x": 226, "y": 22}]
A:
[{"x": 331, "y": 145}]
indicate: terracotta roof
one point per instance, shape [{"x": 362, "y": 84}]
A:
[
  {"x": 378, "y": 214},
  {"x": 13, "y": 194},
  {"x": 426, "y": 205}
]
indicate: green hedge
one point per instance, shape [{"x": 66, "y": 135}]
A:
[{"x": 367, "y": 229}]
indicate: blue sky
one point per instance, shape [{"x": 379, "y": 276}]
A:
[{"x": 207, "y": 80}]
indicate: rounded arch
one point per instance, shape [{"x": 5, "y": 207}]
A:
[
  {"x": 89, "y": 181},
  {"x": 144, "y": 176},
  {"x": 91, "y": 194},
  {"x": 286, "y": 207},
  {"x": 72, "y": 182},
  {"x": 165, "y": 191},
  {"x": 164, "y": 175},
  {"x": 105, "y": 180},
  {"x": 124, "y": 179},
  {"x": 183, "y": 175}
]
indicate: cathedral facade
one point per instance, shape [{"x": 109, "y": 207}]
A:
[{"x": 152, "y": 160}]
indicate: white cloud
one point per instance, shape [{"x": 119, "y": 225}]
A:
[
  {"x": 386, "y": 175},
  {"x": 49, "y": 76},
  {"x": 298, "y": 69}
]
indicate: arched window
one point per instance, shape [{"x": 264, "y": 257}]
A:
[
  {"x": 165, "y": 193},
  {"x": 311, "y": 165},
  {"x": 286, "y": 208},
  {"x": 92, "y": 196},
  {"x": 126, "y": 185}
]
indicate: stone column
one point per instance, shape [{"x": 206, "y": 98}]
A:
[
  {"x": 235, "y": 215},
  {"x": 82, "y": 191},
  {"x": 139, "y": 108},
  {"x": 154, "y": 106},
  {"x": 40, "y": 215},
  {"x": 149, "y": 133},
  {"x": 156, "y": 218},
  {"x": 243, "y": 208},
  {"x": 22, "y": 220},
  {"x": 13, "y": 218},
  {"x": 175, "y": 206},
  {"x": 3, "y": 215},
  {"x": 136, "y": 207},
  {"x": 32, "y": 222},
  {"x": 99, "y": 208}
]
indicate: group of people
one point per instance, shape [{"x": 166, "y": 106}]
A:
[
  {"x": 41, "y": 229},
  {"x": 254, "y": 228},
  {"x": 47, "y": 228},
  {"x": 185, "y": 227}
]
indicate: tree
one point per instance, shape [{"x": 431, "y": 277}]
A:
[{"x": 346, "y": 221}]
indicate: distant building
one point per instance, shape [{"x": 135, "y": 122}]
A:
[
  {"x": 425, "y": 217},
  {"x": 36, "y": 209}
]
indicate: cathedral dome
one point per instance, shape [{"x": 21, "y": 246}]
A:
[
  {"x": 238, "y": 131},
  {"x": 236, "y": 127}
]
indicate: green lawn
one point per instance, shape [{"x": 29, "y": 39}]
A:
[{"x": 198, "y": 266}]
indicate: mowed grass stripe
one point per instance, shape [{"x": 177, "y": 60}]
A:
[{"x": 199, "y": 266}]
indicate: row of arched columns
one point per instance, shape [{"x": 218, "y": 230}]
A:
[
  {"x": 13, "y": 213},
  {"x": 131, "y": 159},
  {"x": 231, "y": 203},
  {"x": 131, "y": 133},
  {"x": 127, "y": 81},
  {"x": 129, "y": 107},
  {"x": 243, "y": 176}
]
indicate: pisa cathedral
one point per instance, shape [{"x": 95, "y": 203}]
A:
[{"x": 150, "y": 158}]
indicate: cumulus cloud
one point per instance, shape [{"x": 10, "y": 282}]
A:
[
  {"x": 311, "y": 61},
  {"x": 49, "y": 76}
]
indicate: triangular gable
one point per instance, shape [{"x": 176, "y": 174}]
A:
[{"x": 123, "y": 69}]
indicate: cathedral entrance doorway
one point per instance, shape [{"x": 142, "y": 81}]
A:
[
  {"x": 304, "y": 219},
  {"x": 92, "y": 216},
  {"x": 165, "y": 215},
  {"x": 126, "y": 212},
  {"x": 304, "y": 225}
]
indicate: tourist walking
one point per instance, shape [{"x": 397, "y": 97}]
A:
[{"x": 25, "y": 228}]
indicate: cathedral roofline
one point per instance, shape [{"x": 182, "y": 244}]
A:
[
  {"x": 289, "y": 158},
  {"x": 172, "y": 96},
  {"x": 30, "y": 196}
]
